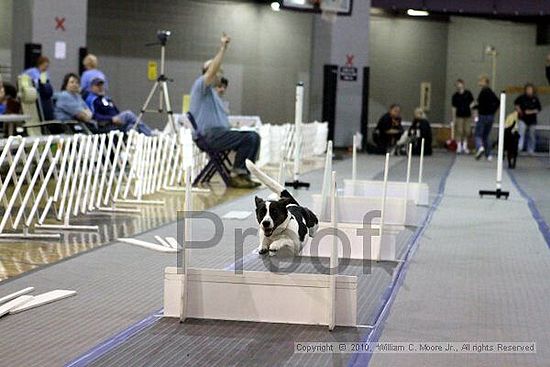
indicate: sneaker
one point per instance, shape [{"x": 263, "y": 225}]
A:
[
  {"x": 479, "y": 152},
  {"x": 490, "y": 158},
  {"x": 459, "y": 148},
  {"x": 465, "y": 147}
]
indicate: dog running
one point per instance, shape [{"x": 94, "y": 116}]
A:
[{"x": 283, "y": 222}]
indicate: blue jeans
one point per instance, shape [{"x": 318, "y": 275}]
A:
[
  {"x": 482, "y": 131},
  {"x": 128, "y": 119},
  {"x": 246, "y": 144},
  {"x": 527, "y": 132}
]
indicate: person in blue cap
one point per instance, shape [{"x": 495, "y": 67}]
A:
[{"x": 108, "y": 116}]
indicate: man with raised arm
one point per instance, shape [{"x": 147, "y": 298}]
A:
[{"x": 213, "y": 124}]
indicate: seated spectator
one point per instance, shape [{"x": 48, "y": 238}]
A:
[
  {"x": 3, "y": 101},
  {"x": 221, "y": 88},
  {"x": 70, "y": 105},
  {"x": 91, "y": 72},
  {"x": 388, "y": 131},
  {"x": 8, "y": 99},
  {"x": 41, "y": 80},
  {"x": 213, "y": 123},
  {"x": 420, "y": 129},
  {"x": 107, "y": 115}
]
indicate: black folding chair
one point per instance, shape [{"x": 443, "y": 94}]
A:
[{"x": 218, "y": 160}]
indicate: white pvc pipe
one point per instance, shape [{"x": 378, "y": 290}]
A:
[
  {"x": 30, "y": 187},
  {"x": 106, "y": 159},
  {"x": 90, "y": 174},
  {"x": 108, "y": 192},
  {"x": 163, "y": 162},
  {"x": 171, "y": 149},
  {"x": 156, "y": 168},
  {"x": 122, "y": 171},
  {"x": 502, "y": 117},
  {"x": 298, "y": 125},
  {"x": 100, "y": 159},
  {"x": 19, "y": 184},
  {"x": 421, "y": 167},
  {"x": 83, "y": 171},
  {"x": 333, "y": 254},
  {"x": 185, "y": 246},
  {"x": 74, "y": 183},
  {"x": 354, "y": 159},
  {"x": 66, "y": 146},
  {"x": 383, "y": 209},
  {"x": 325, "y": 189},
  {"x": 409, "y": 159},
  {"x": 43, "y": 189},
  {"x": 11, "y": 170}
]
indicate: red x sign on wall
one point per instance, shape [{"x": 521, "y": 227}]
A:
[
  {"x": 349, "y": 59},
  {"x": 60, "y": 24}
]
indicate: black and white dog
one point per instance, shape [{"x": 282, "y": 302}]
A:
[{"x": 283, "y": 222}]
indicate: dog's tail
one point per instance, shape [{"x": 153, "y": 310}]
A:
[{"x": 273, "y": 185}]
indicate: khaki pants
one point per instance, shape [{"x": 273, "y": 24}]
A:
[{"x": 463, "y": 128}]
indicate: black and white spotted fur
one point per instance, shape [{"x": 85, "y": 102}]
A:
[{"x": 283, "y": 222}]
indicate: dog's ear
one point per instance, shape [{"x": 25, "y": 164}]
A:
[
  {"x": 259, "y": 201},
  {"x": 286, "y": 201}
]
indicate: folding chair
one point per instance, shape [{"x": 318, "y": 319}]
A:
[
  {"x": 30, "y": 104},
  {"x": 218, "y": 160}
]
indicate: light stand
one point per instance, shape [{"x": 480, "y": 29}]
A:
[{"x": 162, "y": 83}]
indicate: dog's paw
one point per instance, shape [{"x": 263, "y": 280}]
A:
[
  {"x": 262, "y": 251},
  {"x": 273, "y": 252},
  {"x": 313, "y": 230}
]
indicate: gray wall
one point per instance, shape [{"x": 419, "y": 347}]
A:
[
  {"x": 269, "y": 51},
  {"x": 519, "y": 59},
  {"x": 403, "y": 53},
  {"x": 34, "y": 21},
  {"x": 331, "y": 43},
  {"x": 5, "y": 34}
]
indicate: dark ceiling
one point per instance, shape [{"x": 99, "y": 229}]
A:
[{"x": 522, "y": 8}]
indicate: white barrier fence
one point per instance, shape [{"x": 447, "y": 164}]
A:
[
  {"x": 278, "y": 142},
  {"x": 46, "y": 182}
]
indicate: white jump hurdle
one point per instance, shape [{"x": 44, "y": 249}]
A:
[
  {"x": 417, "y": 191},
  {"x": 259, "y": 296},
  {"x": 381, "y": 238}
]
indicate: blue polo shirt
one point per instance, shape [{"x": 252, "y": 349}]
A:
[
  {"x": 34, "y": 74},
  {"x": 68, "y": 105},
  {"x": 207, "y": 107}
]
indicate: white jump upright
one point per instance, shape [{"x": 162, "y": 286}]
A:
[
  {"x": 298, "y": 138},
  {"x": 498, "y": 193},
  {"x": 322, "y": 299},
  {"x": 354, "y": 159},
  {"x": 417, "y": 192}
]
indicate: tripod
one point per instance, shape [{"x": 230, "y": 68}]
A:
[{"x": 164, "y": 97}]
